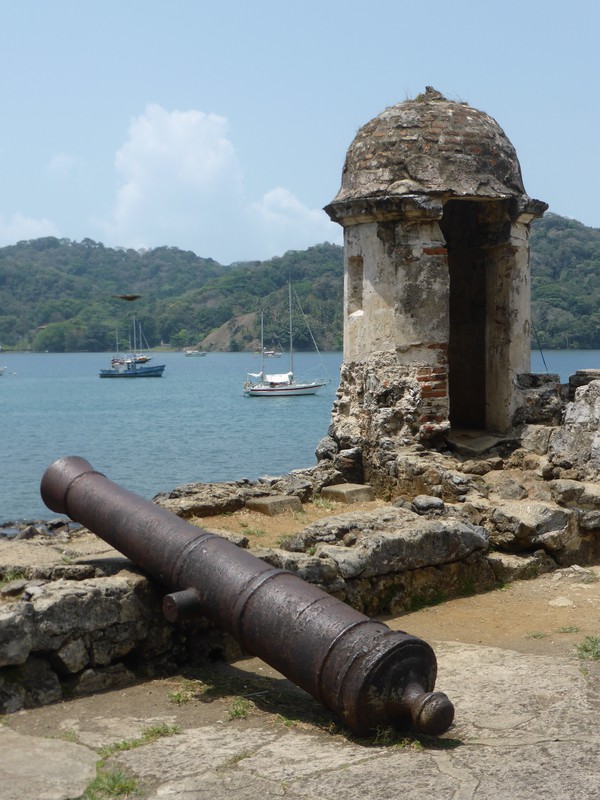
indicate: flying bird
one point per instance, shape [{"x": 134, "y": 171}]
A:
[{"x": 128, "y": 297}]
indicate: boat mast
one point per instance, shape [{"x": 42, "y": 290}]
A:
[
  {"x": 291, "y": 334},
  {"x": 262, "y": 345}
]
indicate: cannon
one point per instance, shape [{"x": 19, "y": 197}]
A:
[{"x": 365, "y": 673}]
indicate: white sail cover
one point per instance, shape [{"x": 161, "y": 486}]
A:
[{"x": 282, "y": 377}]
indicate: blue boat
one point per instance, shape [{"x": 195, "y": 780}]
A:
[
  {"x": 135, "y": 365},
  {"x": 130, "y": 368}
]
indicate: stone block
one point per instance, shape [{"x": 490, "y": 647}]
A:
[
  {"x": 348, "y": 493},
  {"x": 276, "y": 504}
]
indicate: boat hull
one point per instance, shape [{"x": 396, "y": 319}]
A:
[
  {"x": 293, "y": 390},
  {"x": 133, "y": 371}
]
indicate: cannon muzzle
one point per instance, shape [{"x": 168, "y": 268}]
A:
[{"x": 357, "y": 667}]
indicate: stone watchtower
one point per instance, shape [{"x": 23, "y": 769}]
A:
[{"x": 437, "y": 285}]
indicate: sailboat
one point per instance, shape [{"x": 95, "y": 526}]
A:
[
  {"x": 135, "y": 364},
  {"x": 261, "y": 384}
]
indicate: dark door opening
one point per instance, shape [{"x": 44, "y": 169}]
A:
[{"x": 467, "y": 311}]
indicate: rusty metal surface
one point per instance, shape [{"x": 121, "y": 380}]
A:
[{"x": 361, "y": 670}]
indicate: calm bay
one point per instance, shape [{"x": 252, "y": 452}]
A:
[
  {"x": 151, "y": 435},
  {"x": 193, "y": 424}
]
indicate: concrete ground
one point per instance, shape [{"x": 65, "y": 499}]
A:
[{"x": 527, "y": 720}]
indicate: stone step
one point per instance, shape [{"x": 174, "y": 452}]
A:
[
  {"x": 277, "y": 504},
  {"x": 348, "y": 493}
]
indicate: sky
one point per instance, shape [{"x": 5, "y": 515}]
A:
[{"x": 221, "y": 127}]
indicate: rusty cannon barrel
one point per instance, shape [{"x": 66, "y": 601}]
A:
[{"x": 367, "y": 674}]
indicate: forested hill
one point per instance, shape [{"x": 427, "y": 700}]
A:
[
  {"x": 57, "y": 295},
  {"x": 565, "y": 291}
]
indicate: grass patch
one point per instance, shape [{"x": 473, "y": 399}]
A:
[
  {"x": 247, "y": 693},
  {"x": 255, "y": 532},
  {"x": 110, "y": 783},
  {"x": 589, "y": 649},
  {"x": 149, "y": 735},
  {"x": 536, "y": 635},
  {"x": 568, "y": 629},
  {"x": 12, "y": 575},
  {"x": 323, "y": 504},
  {"x": 240, "y": 708},
  {"x": 389, "y": 737},
  {"x": 184, "y": 693},
  {"x": 231, "y": 762},
  {"x": 288, "y": 723}
]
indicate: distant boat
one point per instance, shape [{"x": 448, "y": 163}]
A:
[
  {"x": 271, "y": 354},
  {"x": 262, "y": 384},
  {"x": 194, "y": 353},
  {"x": 134, "y": 364},
  {"x": 131, "y": 369}
]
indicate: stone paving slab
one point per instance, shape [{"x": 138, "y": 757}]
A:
[
  {"x": 44, "y": 769},
  {"x": 527, "y": 726}
]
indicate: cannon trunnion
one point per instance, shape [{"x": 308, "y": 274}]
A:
[{"x": 357, "y": 667}]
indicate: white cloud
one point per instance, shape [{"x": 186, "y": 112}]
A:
[
  {"x": 19, "y": 228},
  {"x": 178, "y": 173},
  {"x": 182, "y": 185},
  {"x": 288, "y": 225}
]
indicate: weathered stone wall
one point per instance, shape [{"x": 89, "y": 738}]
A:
[
  {"x": 81, "y": 628},
  {"x": 575, "y": 446},
  {"x": 383, "y": 406}
]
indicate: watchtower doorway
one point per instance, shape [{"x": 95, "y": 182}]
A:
[{"x": 476, "y": 234}]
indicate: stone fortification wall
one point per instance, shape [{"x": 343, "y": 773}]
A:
[{"x": 383, "y": 406}]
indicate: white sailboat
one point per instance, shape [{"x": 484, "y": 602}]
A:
[{"x": 282, "y": 384}]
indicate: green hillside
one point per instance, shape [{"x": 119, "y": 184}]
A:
[
  {"x": 57, "y": 295},
  {"x": 565, "y": 291}
]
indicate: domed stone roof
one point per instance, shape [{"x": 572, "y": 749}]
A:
[{"x": 430, "y": 146}]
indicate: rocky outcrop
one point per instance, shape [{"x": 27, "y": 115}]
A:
[{"x": 211, "y": 499}]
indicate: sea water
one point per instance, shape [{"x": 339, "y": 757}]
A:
[{"x": 153, "y": 434}]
